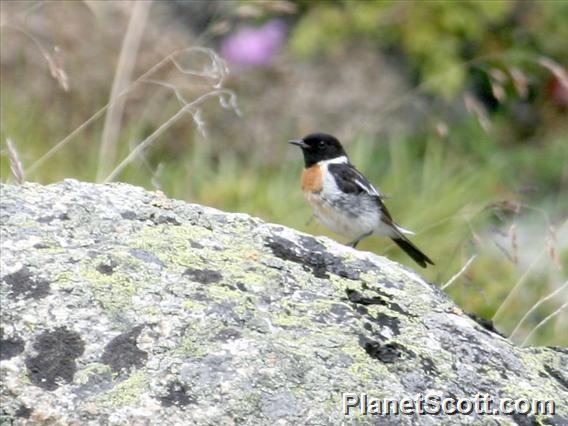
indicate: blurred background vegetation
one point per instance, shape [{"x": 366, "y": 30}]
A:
[{"x": 456, "y": 110}]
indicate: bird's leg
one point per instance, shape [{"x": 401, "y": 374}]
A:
[
  {"x": 310, "y": 220},
  {"x": 358, "y": 239}
]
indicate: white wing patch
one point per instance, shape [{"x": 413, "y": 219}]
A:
[
  {"x": 368, "y": 188},
  {"x": 404, "y": 231}
]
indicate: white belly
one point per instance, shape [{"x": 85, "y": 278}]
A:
[
  {"x": 349, "y": 215},
  {"x": 340, "y": 222}
]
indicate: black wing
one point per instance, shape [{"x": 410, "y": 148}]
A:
[{"x": 351, "y": 181}]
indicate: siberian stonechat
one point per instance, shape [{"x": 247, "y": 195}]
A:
[{"x": 343, "y": 200}]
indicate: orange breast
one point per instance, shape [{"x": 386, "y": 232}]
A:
[{"x": 312, "y": 179}]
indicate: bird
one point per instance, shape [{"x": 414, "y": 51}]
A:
[{"x": 343, "y": 199}]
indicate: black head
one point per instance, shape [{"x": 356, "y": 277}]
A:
[{"x": 319, "y": 146}]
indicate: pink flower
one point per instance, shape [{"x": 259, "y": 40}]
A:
[{"x": 254, "y": 45}]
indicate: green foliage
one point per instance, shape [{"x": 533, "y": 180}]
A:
[
  {"x": 437, "y": 37},
  {"x": 442, "y": 188},
  {"x": 446, "y": 188}
]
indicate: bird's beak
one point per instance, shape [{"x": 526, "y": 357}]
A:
[{"x": 299, "y": 142}]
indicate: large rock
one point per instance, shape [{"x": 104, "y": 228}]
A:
[{"x": 121, "y": 306}]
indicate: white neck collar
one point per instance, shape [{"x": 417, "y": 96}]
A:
[{"x": 338, "y": 160}]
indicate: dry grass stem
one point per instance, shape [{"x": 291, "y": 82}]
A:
[
  {"x": 544, "y": 321},
  {"x": 122, "y": 78},
  {"x": 498, "y": 91},
  {"x": 497, "y": 79},
  {"x": 407, "y": 98},
  {"x": 156, "y": 177},
  {"x": 460, "y": 272},
  {"x": 498, "y": 75},
  {"x": 281, "y": 6},
  {"x": 217, "y": 69},
  {"x": 155, "y": 174},
  {"x": 442, "y": 128},
  {"x": 476, "y": 239},
  {"x": 517, "y": 285},
  {"x": 504, "y": 251},
  {"x": 476, "y": 108},
  {"x": 15, "y": 164},
  {"x": 53, "y": 62},
  {"x": 472, "y": 104},
  {"x": 535, "y": 306},
  {"x": 551, "y": 247},
  {"x": 22, "y": 14},
  {"x": 520, "y": 81},
  {"x": 62, "y": 143},
  {"x": 191, "y": 108},
  {"x": 556, "y": 69},
  {"x": 514, "y": 243}
]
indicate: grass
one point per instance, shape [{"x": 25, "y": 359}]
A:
[
  {"x": 433, "y": 186},
  {"x": 461, "y": 193}
]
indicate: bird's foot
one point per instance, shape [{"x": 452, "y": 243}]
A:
[{"x": 358, "y": 239}]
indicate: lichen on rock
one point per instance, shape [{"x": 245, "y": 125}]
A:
[{"x": 121, "y": 306}]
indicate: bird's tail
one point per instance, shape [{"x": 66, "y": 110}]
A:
[{"x": 413, "y": 251}]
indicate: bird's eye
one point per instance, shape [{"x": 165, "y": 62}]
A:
[{"x": 321, "y": 144}]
